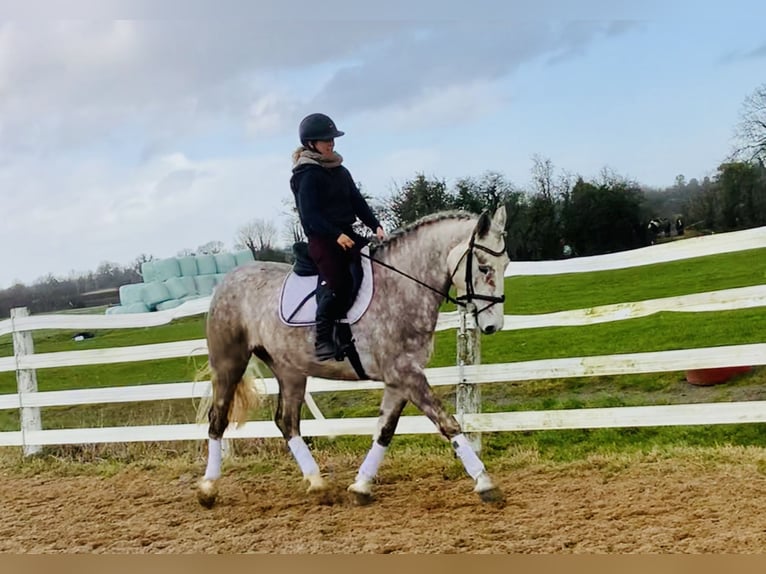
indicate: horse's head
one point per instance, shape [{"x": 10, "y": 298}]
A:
[{"x": 478, "y": 267}]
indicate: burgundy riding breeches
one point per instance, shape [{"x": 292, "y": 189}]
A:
[{"x": 334, "y": 264}]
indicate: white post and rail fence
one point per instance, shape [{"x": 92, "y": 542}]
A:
[{"x": 466, "y": 376}]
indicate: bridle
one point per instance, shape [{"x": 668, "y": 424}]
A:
[{"x": 471, "y": 295}]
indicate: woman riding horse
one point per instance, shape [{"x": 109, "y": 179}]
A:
[{"x": 328, "y": 203}]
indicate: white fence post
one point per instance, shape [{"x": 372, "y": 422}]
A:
[
  {"x": 26, "y": 380},
  {"x": 468, "y": 395}
]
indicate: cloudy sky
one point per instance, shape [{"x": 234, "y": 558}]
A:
[{"x": 164, "y": 131}]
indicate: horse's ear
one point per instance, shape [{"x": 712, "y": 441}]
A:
[
  {"x": 498, "y": 219},
  {"x": 483, "y": 225}
]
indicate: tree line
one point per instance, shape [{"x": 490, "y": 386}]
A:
[
  {"x": 558, "y": 215},
  {"x": 591, "y": 216}
]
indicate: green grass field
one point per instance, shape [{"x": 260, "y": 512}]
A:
[{"x": 525, "y": 295}]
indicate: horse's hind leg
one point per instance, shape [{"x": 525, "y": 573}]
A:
[
  {"x": 292, "y": 390},
  {"x": 227, "y": 373},
  {"x": 391, "y": 408},
  {"x": 421, "y": 395}
]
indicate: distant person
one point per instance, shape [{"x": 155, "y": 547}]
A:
[
  {"x": 329, "y": 203},
  {"x": 679, "y": 226},
  {"x": 652, "y": 231},
  {"x": 566, "y": 249}
]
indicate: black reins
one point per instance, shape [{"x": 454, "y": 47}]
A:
[{"x": 461, "y": 300}]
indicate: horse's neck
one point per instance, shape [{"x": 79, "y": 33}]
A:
[{"x": 424, "y": 256}]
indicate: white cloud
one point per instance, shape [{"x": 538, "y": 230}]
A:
[
  {"x": 166, "y": 205},
  {"x": 452, "y": 106}
]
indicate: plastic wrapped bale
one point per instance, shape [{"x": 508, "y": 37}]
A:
[
  {"x": 170, "y": 304},
  {"x": 242, "y": 257},
  {"x": 147, "y": 271},
  {"x": 137, "y": 308},
  {"x": 206, "y": 264},
  {"x": 190, "y": 297},
  {"x": 156, "y": 292},
  {"x": 224, "y": 262},
  {"x": 132, "y": 308},
  {"x": 188, "y": 266},
  {"x": 131, "y": 293},
  {"x": 219, "y": 277},
  {"x": 181, "y": 287},
  {"x": 164, "y": 269},
  {"x": 205, "y": 284}
]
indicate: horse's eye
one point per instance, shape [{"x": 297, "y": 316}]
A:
[{"x": 485, "y": 269}]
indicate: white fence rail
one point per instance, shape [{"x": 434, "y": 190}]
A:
[{"x": 717, "y": 413}]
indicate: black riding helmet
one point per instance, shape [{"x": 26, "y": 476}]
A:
[{"x": 317, "y": 127}]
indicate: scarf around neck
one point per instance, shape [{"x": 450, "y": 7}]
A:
[{"x": 303, "y": 155}]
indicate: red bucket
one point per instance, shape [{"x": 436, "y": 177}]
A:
[{"x": 715, "y": 376}]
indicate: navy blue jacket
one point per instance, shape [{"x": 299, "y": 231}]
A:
[{"x": 328, "y": 201}]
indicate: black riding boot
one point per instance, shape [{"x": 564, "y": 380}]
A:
[{"x": 324, "y": 346}]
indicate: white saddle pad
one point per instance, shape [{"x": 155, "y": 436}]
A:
[{"x": 296, "y": 288}]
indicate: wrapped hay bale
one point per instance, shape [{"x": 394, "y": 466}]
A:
[
  {"x": 206, "y": 264},
  {"x": 169, "y": 304},
  {"x": 205, "y": 284},
  {"x": 224, "y": 262},
  {"x": 164, "y": 269},
  {"x": 131, "y": 293},
  {"x": 137, "y": 308},
  {"x": 242, "y": 257},
  {"x": 181, "y": 287},
  {"x": 147, "y": 271},
  {"x": 219, "y": 277},
  {"x": 188, "y": 266},
  {"x": 131, "y": 308},
  {"x": 156, "y": 292}
]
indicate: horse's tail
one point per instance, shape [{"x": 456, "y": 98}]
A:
[{"x": 247, "y": 395}]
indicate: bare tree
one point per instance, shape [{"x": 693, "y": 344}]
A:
[
  {"x": 293, "y": 231},
  {"x": 542, "y": 177},
  {"x": 751, "y": 130},
  {"x": 211, "y": 248},
  {"x": 257, "y": 235}
]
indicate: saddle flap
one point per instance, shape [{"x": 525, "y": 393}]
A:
[{"x": 297, "y": 303}]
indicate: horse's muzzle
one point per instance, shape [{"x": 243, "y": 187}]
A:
[{"x": 489, "y": 329}]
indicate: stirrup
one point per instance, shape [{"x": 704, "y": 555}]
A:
[
  {"x": 342, "y": 349},
  {"x": 324, "y": 351}
]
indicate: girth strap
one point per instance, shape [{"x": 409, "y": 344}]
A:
[{"x": 345, "y": 348}]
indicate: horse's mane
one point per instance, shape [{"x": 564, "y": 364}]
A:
[{"x": 398, "y": 234}]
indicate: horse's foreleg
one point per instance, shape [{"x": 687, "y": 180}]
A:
[
  {"x": 390, "y": 410},
  {"x": 419, "y": 392},
  {"x": 208, "y": 486},
  {"x": 288, "y": 419}
]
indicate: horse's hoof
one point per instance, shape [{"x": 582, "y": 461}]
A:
[
  {"x": 493, "y": 495},
  {"x": 316, "y": 483},
  {"x": 207, "y": 492},
  {"x": 360, "y": 493},
  {"x": 359, "y": 498}
]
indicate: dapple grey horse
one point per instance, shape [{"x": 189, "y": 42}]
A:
[{"x": 413, "y": 271}]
